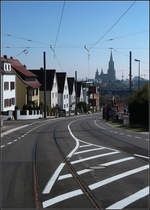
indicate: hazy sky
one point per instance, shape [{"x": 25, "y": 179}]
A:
[{"x": 83, "y": 23}]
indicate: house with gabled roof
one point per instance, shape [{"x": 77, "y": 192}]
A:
[
  {"x": 72, "y": 93},
  {"x": 63, "y": 91},
  {"x": 51, "y": 86},
  {"x": 79, "y": 92},
  {"x": 7, "y": 87},
  {"x": 27, "y": 85}
]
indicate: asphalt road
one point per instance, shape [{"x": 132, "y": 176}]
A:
[{"x": 76, "y": 162}]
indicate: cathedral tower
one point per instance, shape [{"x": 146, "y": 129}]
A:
[{"x": 111, "y": 70}]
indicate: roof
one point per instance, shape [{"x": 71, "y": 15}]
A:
[
  {"x": 49, "y": 77},
  {"x": 71, "y": 81},
  {"x": 18, "y": 67},
  {"x": 22, "y": 73},
  {"x": 61, "y": 81}
]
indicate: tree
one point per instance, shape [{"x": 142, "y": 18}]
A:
[{"x": 138, "y": 107}]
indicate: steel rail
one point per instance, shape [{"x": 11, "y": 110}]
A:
[{"x": 77, "y": 178}]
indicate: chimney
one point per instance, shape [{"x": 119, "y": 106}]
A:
[
  {"x": 11, "y": 57},
  {"x": 24, "y": 65}
]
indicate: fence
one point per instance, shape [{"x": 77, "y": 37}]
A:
[{"x": 26, "y": 115}]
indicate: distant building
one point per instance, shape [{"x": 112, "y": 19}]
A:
[
  {"x": 108, "y": 78},
  {"x": 72, "y": 94},
  {"x": 63, "y": 91}
]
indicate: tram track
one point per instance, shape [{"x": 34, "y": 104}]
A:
[{"x": 76, "y": 177}]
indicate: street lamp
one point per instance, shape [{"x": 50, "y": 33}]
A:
[{"x": 139, "y": 72}]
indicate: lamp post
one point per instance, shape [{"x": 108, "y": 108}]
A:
[{"x": 139, "y": 72}]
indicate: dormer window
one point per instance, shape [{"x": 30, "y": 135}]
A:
[{"x": 7, "y": 67}]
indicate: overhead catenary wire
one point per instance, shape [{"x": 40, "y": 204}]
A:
[
  {"x": 114, "y": 24},
  {"x": 59, "y": 25}
]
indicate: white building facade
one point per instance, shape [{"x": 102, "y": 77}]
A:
[
  {"x": 8, "y": 88},
  {"x": 54, "y": 92}
]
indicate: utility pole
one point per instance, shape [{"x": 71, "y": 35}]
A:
[
  {"x": 139, "y": 72},
  {"x": 130, "y": 71},
  {"x": 76, "y": 92},
  {"x": 44, "y": 69}
]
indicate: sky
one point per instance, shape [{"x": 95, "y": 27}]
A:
[{"x": 28, "y": 28}]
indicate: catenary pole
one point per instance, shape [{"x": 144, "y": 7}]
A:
[
  {"x": 44, "y": 65},
  {"x": 130, "y": 71}
]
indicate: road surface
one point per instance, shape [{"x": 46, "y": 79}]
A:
[{"x": 74, "y": 162}]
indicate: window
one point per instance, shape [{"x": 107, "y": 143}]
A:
[
  {"x": 52, "y": 95},
  {"x": 64, "y": 96},
  {"x": 12, "y": 85},
  {"x": 55, "y": 95},
  {"x": 33, "y": 92},
  {"x": 12, "y": 101},
  {"x": 9, "y": 67},
  {"x": 6, "y": 85},
  {"x": 5, "y": 67},
  {"x": 36, "y": 91}
]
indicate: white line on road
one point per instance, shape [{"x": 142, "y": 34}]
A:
[
  {"x": 141, "y": 156},
  {"x": 86, "y": 145},
  {"x": 51, "y": 182},
  {"x": 129, "y": 135},
  {"x": 117, "y": 177},
  {"x": 117, "y": 161},
  {"x": 62, "y": 197},
  {"x": 137, "y": 137},
  {"x": 93, "y": 157},
  {"x": 54, "y": 177},
  {"x": 15, "y": 140},
  {"x": 9, "y": 143},
  {"x": 89, "y": 150},
  {"x": 66, "y": 176},
  {"x": 130, "y": 199},
  {"x": 99, "y": 126},
  {"x": 89, "y": 170},
  {"x": 2, "y": 146},
  {"x": 94, "y": 186}
]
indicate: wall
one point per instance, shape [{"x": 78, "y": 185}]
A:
[
  {"x": 66, "y": 96},
  {"x": 7, "y": 94},
  {"x": 21, "y": 93},
  {"x": 54, "y": 92}
]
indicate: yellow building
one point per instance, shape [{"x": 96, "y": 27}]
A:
[{"x": 27, "y": 85}]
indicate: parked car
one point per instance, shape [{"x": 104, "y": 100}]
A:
[{"x": 62, "y": 113}]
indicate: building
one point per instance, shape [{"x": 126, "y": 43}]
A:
[
  {"x": 79, "y": 92},
  {"x": 72, "y": 93},
  {"x": 51, "y": 86},
  {"x": 110, "y": 77},
  {"x": 63, "y": 91},
  {"x": 7, "y": 87},
  {"x": 27, "y": 85}
]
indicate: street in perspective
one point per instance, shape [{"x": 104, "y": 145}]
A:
[{"x": 74, "y": 105}]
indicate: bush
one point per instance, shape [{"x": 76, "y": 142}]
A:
[
  {"x": 82, "y": 107},
  {"x": 138, "y": 107}
]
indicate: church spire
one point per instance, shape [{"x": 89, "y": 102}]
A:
[{"x": 111, "y": 58}]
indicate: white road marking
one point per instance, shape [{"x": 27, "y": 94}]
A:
[
  {"x": 15, "y": 140},
  {"x": 115, "y": 132},
  {"x": 89, "y": 150},
  {"x": 9, "y": 143},
  {"x": 14, "y": 129},
  {"x": 89, "y": 170},
  {"x": 141, "y": 156},
  {"x": 117, "y": 177},
  {"x": 121, "y": 133},
  {"x": 86, "y": 145},
  {"x": 93, "y": 157},
  {"x": 130, "y": 199},
  {"x": 19, "y": 137},
  {"x": 22, "y": 136},
  {"x": 66, "y": 176},
  {"x": 2, "y": 146},
  {"x": 94, "y": 186},
  {"x": 99, "y": 126},
  {"x": 129, "y": 135},
  {"x": 52, "y": 180},
  {"x": 117, "y": 161},
  {"x": 137, "y": 137},
  {"x": 62, "y": 197}
]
